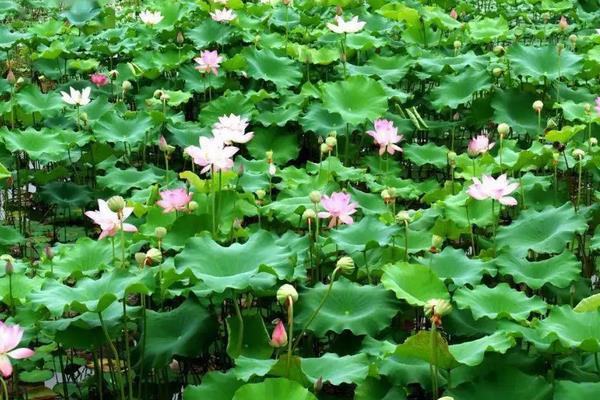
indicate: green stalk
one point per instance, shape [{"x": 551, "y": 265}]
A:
[
  {"x": 4, "y": 389},
  {"x": 494, "y": 222},
  {"x": 290, "y": 333},
  {"x": 433, "y": 366},
  {"x": 127, "y": 351},
  {"x": 122, "y": 245},
  {"x": 115, "y": 355},
  {"x": 10, "y": 295},
  {"x": 240, "y": 320},
  {"x": 579, "y": 185},
  {"x": 406, "y": 241},
  {"x": 214, "y": 203}
]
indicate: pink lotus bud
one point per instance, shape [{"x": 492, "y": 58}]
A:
[
  {"x": 279, "y": 337},
  {"x": 453, "y": 14},
  {"x": 162, "y": 143},
  {"x": 99, "y": 79},
  {"x": 563, "y": 23}
]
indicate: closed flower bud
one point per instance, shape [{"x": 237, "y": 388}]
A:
[
  {"x": 192, "y": 205},
  {"x": 140, "y": 259},
  {"x": 279, "y": 336},
  {"x": 180, "y": 37},
  {"x": 403, "y": 217},
  {"x": 10, "y": 77},
  {"x": 452, "y": 156},
  {"x": 160, "y": 232},
  {"x": 573, "y": 39},
  {"x": 578, "y": 153},
  {"x": 113, "y": 74},
  {"x": 309, "y": 214},
  {"x": 436, "y": 243},
  {"x": 457, "y": 44},
  {"x": 593, "y": 141},
  {"x": 331, "y": 141},
  {"x": 49, "y": 252},
  {"x": 116, "y": 204},
  {"x": 346, "y": 265},
  {"x": 497, "y": 72},
  {"x": 154, "y": 256},
  {"x": 587, "y": 107},
  {"x": 324, "y": 148},
  {"x": 286, "y": 291},
  {"x": 563, "y": 23},
  {"x": 498, "y": 50},
  {"x": 315, "y": 196},
  {"x": 559, "y": 48},
  {"x": 126, "y": 86},
  {"x": 260, "y": 194},
  {"x": 538, "y": 106},
  {"x": 9, "y": 267},
  {"x": 503, "y": 129}
]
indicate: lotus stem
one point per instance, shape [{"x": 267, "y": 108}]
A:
[
  {"x": 238, "y": 312},
  {"x": 406, "y": 241},
  {"x": 115, "y": 355},
  {"x": 4, "y": 389},
  {"x": 494, "y": 222},
  {"x": 579, "y": 184},
  {"x": 127, "y": 351},
  {"x": 433, "y": 364},
  {"x": 290, "y": 332},
  {"x": 122, "y": 244}
]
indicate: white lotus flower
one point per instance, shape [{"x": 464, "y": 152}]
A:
[
  {"x": 77, "y": 98},
  {"x": 352, "y": 26},
  {"x": 151, "y": 18},
  {"x": 222, "y": 16},
  {"x": 232, "y": 129}
]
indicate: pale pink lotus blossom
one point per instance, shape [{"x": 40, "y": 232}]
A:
[
  {"x": 453, "y": 14},
  {"x": 109, "y": 221},
  {"x": 209, "y": 61},
  {"x": 162, "y": 143},
  {"x": 279, "y": 336},
  {"x": 480, "y": 144},
  {"x": 151, "y": 18},
  {"x": 212, "y": 154},
  {"x": 598, "y": 105},
  {"x": 223, "y": 16},
  {"x": 10, "y": 337},
  {"x": 352, "y": 26},
  {"x": 99, "y": 79},
  {"x": 563, "y": 23},
  {"x": 495, "y": 189},
  {"x": 76, "y": 97},
  {"x": 339, "y": 207},
  {"x": 174, "y": 200},
  {"x": 386, "y": 136},
  {"x": 232, "y": 129}
]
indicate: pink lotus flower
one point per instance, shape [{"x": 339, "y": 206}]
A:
[
  {"x": 208, "y": 61},
  {"x": 223, "y": 16},
  {"x": 563, "y": 23},
  {"x": 339, "y": 207},
  {"x": 352, "y": 26},
  {"x": 99, "y": 79},
  {"x": 174, "y": 200},
  {"x": 10, "y": 337},
  {"x": 495, "y": 189},
  {"x": 232, "y": 129},
  {"x": 212, "y": 154},
  {"x": 386, "y": 136},
  {"x": 279, "y": 336},
  {"x": 109, "y": 221},
  {"x": 598, "y": 105},
  {"x": 479, "y": 145},
  {"x": 453, "y": 14}
]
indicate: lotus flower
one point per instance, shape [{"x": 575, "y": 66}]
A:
[
  {"x": 10, "y": 337},
  {"x": 223, "y": 16},
  {"x": 563, "y": 23},
  {"x": 352, "y": 26},
  {"x": 495, "y": 189},
  {"x": 232, "y": 129},
  {"x": 212, "y": 154},
  {"x": 109, "y": 221},
  {"x": 479, "y": 145},
  {"x": 339, "y": 207},
  {"x": 151, "y": 18},
  {"x": 174, "y": 200},
  {"x": 386, "y": 136},
  {"x": 99, "y": 79},
  {"x": 76, "y": 97},
  {"x": 598, "y": 105},
  {"x": 208, "y": 61},
  {"x": 453, "y": 14},
  {"x": 279, "y": 336}
]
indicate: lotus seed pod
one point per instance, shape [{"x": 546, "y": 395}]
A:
[
  {"x": 286, "y": 291},
  {"x": 593, "y": 141},
  {"x": 457, "y": 44},
  {"x": 160, "y": 232},
  {"x": 385, "y": 194},
  {"x": 578, "y": 153},
  {"x": 437, "y": 307},
  {"x": 309, "y": 214},
  {"x": 192, "y": 205},
  {"x": 154, "y": 255},
  {"x": 116, "y": 204},
  {"x": 331, "y": 141},
  {"x": 497, "y": 71},
  {"x": 180, "y": 37},
  {"x": 503, "y": 129},
  {"x": 157, "y": 93},
  {"x": 165, "y": 97},
  {"x": 113, "y": 74},
  {"x": 260, "y": 194},
  {"x": 403, "y": 217},
  {"x": 538, "y": 106},
  {"x": 346, "y": 265},
  {"x": 126, "y": 86},
  {"x": 315, "y": 196},
  {"x": 452, "y": 156},
  {"x": 140, "y": 259},
  {"x": 498, "y": 50}
]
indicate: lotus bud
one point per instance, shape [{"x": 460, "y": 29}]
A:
[
  {"x": 140, "y": 259},
  {"x": 338, "y": 10},
  {"x": 309, "y": 214},
  {"x": 331, "y": 141},
  {"x": 563, "y": 24},
  {"x": 559, "y": 48},
  {"x": 162, "y": 143},
  {"x": 503, "y": 129},
  {"x": 587, "y": 107},
  {"x": 497, "y": 72},
  {"x": 116, "y": 204},
  {"x": 457, "y": 44},
  {"x": 9, "y": 268},
  {"x": 180, "y": 37},
  {"x": 49, "y": 252},
  {"x": 573, "y": 39},
  {"x": 113, "y": 74},
  {"x": 279, "y": 336},
  {"x": 269, "y": 155},
  {"x": 286, "y": 291},
  {"x": 324, "y": 148},
  {"x": 578, "y": 153},
  {"x": 346, "y": 265},
  {"x": 41, "y": 78},
  {"x": 318, "y": 385},
  {"x": 160, "y": 232},
  {"x": 546, "y": 17},
  {"x": 403, "y": 217},
  {"x": 538, "y": 106},
  {"x": 593, "y": 141},
  {"x": 126, "y": 86},
  {"x": 452, "y": 156},
  {"x": 260, "y": 194},
  {"x": 315, "y": 196},
  {"x": 453, "y": 14},
  {"x": 83, "y": 117},
  {"x": 154, "y": 256},
  {"x": 272, "y": 169},
  {"x": 436, "y": 243},
  {"x": 498, "y": 50},
  {"x": 10, "y": 77},
  {"x": 192, "y": 205}
]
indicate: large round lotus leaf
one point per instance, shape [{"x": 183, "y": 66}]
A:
[
  {"x": 367, "y": 233},
  {"x": 546, "y": 231},
  {"x": 273, "y": 389},
  {"x": 499, "y": 302},
  {"x": 356, "y": 99},
  {"x": 8, "y": 38},
  {"x": 333, "y": 166},
  {"x": 461, "y": 209},
  {"x": 504, "y": 383},
  {"x": 403, "y": 370},
  {"x": 591, "y": 303},
  {"x": 568, "y": 390},
  {"x": 434, "y": 64},
  {"x": 559, "y": 271},
  {"x": 472, "y": 353},
  {"x": 361, "y": 309},
  {"x": 179, "y": 335},
  {"x": 378, "y": 389},
  {"x": 238, "y": 266},
  {"x": 229, "y": 103},
  {"x": 487, "y": 29},
  {"x": 279, "y": 116},
  {"x": 390, "y": 69},
  {"x": 22, "y": 287},
  {"x": 543, "y": 62},
  {"x": 416, "y": 284},
  {"x": 85, "y": 257},
  {"x": 514, "y": 108},
  {"x": 427, "y": 154},
  {"x": 419, "y": 346},
  {"x": 317, "y": 119},
  {"x": 45, "y": 145},
  {"x": 114, "y": 129},
  {"x": 66, "y": 194},
  {"x": 284, "y": 145},
  {"x": 454, "y": 91},
  {"x": 209, "y": 32},
  {"x": 31, "y": 99},
  {"x": 254, "y": 341},
  {"x": 452, "y": 264},
  {"x": 573, "y": 329},
  {"x": 92, "y": 295},
  {"x": 265, "y": 65},
  {"x": 215, "y": 385},
  {"x": 122, "y": 180},
  {"x": 320, "y": 56},
  {"x": 336, "y": 370},
  {"x": 82, "y": 11},
  {"x": 10, "y": 236},
  {"x": 368, "y": 203}
]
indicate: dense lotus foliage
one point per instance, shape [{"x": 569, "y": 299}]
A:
[{"x": 299, "y": 199}]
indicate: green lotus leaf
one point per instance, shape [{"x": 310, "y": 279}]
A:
[
  {"x": 306, "y": 54},
  {"x": 317, "y": 119},
  {"x": 390, "y": 69},
  {"x": 559, "y": 271},
  {"x": 403, "y": 370},
  {"x": 487, "y": 29},
  {"x": 153, "y": 63},
  {"x": 31, "y": 99},
  {"x": 18, "y": 289},
  {"x": 416, "y": 284},
  {"x": 332, "y": 166},
  {"x": 8, "y": 7},
  {"x": 179, "y": 335},
  {"x": 66, "y": 194},
  {"x": 177, "y": 97},
  {"x": 573, "y": 329},
  {"x": 4, "y": 172},
  {"x": 363, "y": 41},
  {"x": 427, "y": 154},
  {"x": 215, "y": 385},
  {"x": 239, "y": 266},
  {"x": 543, "y": 62},
  {"x": 283, "y": 144},
  {"x": 399, "y": 12},
  {"x": 363, "y": 310},
  {"x": 565, "y": 134},
  {"x": 10, "y": 236},
  {"x": 44, "y": 146},
  {"x": 453, "y": 264},
  {"x": 83, "y": 65},
  {"x": 198, "y": 82},
  {"x": 378, "y": 389},
  {"x": 82, "y": 11},
  {"x": 514, "y": 108},
  {"x": 254, "y": 341},
  {"x": 122, "y": 180},
  {"x": 83, "y": 258},
  {"x": 472, "y": 353},
  {"x": 273, "y": 389},
  {"x": 420, "y": 346},
  {"x": 369, "y": 232},
  {"x": 368, "y": 203},
  {"x": 434, "y": 64},
  {"x": 355, "y": 99},
  {"x": 454, "y": 91},
  {"x": 499, "y": 302},
  {"x": 545, "y": 231},
  {"x": 229, "y": 103},
  {"x": 279, "y": 116},
  {"x": 566, "y": 390},
  {"x": 209, "y": 32},
  {"x": 591, "y": 303},
  {"x": 265, "y": 65},
  {"x": 336, "y": 370},
  {"x": 114, "y": 129},
  {"x": 503, "y": 383},
  {"x": 8, "y": 38},
  {"x": 46, "y": 29}
]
